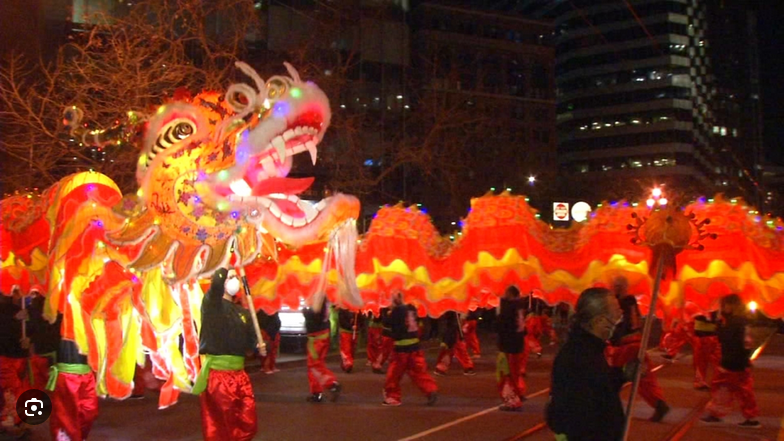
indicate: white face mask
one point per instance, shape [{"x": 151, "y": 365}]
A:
[{"x": 232, "y": 286}]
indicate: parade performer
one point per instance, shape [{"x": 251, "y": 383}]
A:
[
  {"x": 44, "y": 339},
  {"x": 707, "y": 350},
  {"x": 510, "y": 325},
  {"x": 387, "y": 343},
  {"x": 350, "y": 321},
  {"x": 270, "y": 331},
  {"x": 453, "y": 345},
  {"x": 374, "y": 330},
  {"x": 407, "y": 357},
  {"x": 228, "y": 407},
  {"x": 733, "y": 377},
  {"x": 74, "y": 402},
  {"x": 469, "y": 333},
  {"x": 625, "y": 346},
  {"x": 674, "y": 340},
  {"x": 319, "y": 376},
  {"x": 13, "y": 366}
]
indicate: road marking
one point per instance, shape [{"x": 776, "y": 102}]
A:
[{"x": 466, "y": 418}]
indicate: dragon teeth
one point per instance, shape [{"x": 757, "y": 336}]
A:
[
  {"x": 280, "y": 147},
  {"x": 286, "y": 219},
  {"x": 288, "y": 134},
  {"x": 321, "y": 205},
  {"x": 309, "y": 210},
  {"x": 275, "y": 210},
  {"x": 298, "y": 131},
  {"x": 311, "y": 147},
  {"x": 299, "y": 222}
]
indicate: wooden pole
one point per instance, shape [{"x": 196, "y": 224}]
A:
[
  {"x": 254, "y": 319},
  {"x": 646, "y": 334}
]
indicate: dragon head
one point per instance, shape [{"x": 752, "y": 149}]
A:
[{"x": 213, "y": 179}]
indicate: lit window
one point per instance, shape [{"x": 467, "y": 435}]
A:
[
  {"x": 723, "y": 131},
  {"x": 716, "y": 129}
]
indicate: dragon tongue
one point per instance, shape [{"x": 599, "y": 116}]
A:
[{"x": 282, "y": 185}]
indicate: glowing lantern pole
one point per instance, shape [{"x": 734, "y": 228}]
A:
[{"x": 667, "y": 231}]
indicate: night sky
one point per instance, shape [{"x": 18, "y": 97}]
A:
[{"x": 771, "y": 39}]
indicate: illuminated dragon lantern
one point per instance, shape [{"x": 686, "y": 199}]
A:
[
  {"x": 213, "y": 191},
  {"x": 212, "y": 178}
]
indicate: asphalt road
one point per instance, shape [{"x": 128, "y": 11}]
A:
[{"x": 466, "y": 410}]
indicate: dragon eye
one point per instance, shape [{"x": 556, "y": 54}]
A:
[
  {"x": 276, "y": 88},
  {"x": 183, "y": 130},
  {"x": 174, "y": 132}
]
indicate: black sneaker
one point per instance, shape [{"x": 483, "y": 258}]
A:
[
  {"x": 710, "y": 419},
  {"x": 335, "y": 391},
  {"x": 439, "y": 372},
  {"x": 668, "y": 356},
  {"x": 315, "y": 398},
  {"x": 378, "y": 371},
  {"x": 432, "y": 397},
  {"x": 469, "y": 372},
  {"x": 661, "y": 411},
  {"x": 136, "y": 397},
  {"x": 750, "y": 424}
]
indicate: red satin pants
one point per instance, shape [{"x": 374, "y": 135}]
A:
[
  {"x": 348, "y": 346},
  {"x": 727, "y": 386},
  {"x": 387, "y": 347},
  {"x": 707, "y": 352},
  {"x": 373, "y": 343},
  {"x": 413, "y": 364},
  {"x": 74, "y": 406},
  {"x": 319, "y": 376},
  {"x": 459, "y": 351},
  {"x": 12, "y": 373},
  {"x": 268, "y": 362},
  {"x": 511, "y": 384},
  {"x": 228, "y": 407},
  {"x": 649, "y": 389},
  {"x": 471, "y": 340}
]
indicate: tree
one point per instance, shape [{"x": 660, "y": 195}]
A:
[{"x": 127, "y": 61}]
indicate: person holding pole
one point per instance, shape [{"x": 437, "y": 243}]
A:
[
  {"x": 585, "y": 402},
  {"x": 228, "y": 407},
  {"x": 626, "y": 346},
  {"x": 407, "y": 356}
]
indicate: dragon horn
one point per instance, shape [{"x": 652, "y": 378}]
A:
[{"x": 121, "y": 131}]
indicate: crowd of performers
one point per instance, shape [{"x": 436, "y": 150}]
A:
[{"x": 42, "y": 360}]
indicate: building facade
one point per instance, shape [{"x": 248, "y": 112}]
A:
[
  {"x": 501, "y": 65},
  {"x": 656, "y": 92}
]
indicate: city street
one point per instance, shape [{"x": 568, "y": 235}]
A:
[{"x": 466, "y": 410}]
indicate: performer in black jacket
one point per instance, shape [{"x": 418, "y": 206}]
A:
[
  {"x": 407, "y": 357},
  {"x": 228, "y": 407},
  {"x": 733, "y": 377},
  {"x": 584, "y": 402},
  {"x": 319, "y": 375},
  {"x": 510, "y": 325}
]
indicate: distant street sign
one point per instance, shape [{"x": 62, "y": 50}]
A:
[
  {"x": 580, "y": 211},
  {"x": 561, "y": 211}
]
